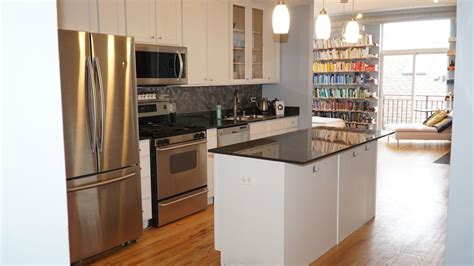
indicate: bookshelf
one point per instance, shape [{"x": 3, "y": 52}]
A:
[
  {"x": 451, "y": 72},
  {"x": 345, "y": 79}
]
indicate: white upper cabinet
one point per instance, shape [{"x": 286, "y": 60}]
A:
[
  {"x": 168, "y": 22},
  {"x": 255, "y": 52},
  {"x": 141, "y": 20},
  {"x": 78, "y": 15},
  {"x": 111, "y": 16},
  {"x": 102, "y": 16},
  {"x": 205, "y": 34},
  {"x": 195, "y": 39},
  {"x": 271, "y": 49},
  {"x": 218, "y": 42},
  {"x": 155, "y": 21}
]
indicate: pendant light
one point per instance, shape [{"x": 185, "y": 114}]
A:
[
  {"x": 352, "y": 32},
  {"x": 323, "y": 25},
  {"x": 281, "y": 18}
]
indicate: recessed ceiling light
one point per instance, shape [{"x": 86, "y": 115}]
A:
[
  {"x": 435, "y": 1},
  {"x": 359, "y": 16}
]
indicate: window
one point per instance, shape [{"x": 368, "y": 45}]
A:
[
  {"x": 414, "y": 63},
  {"x": 416, "y": 35}
]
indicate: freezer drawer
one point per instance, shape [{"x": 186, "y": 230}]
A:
[
  {"x": 104, "y": 211},
  {"x": 178, "y": 207}
]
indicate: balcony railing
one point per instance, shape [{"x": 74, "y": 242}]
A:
[{"x": 401, "y": 109}]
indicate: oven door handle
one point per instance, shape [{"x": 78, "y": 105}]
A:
[
  {"x": 181, "y": 146},
  {"x": 181, "y": 199}
]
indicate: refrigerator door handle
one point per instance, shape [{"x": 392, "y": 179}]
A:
[
  {"x": 93, "y": 120},
  {"x": 102, "y": 105},
  {"x": 103, "y": 183},
  {"x": 181, "y": 65}
]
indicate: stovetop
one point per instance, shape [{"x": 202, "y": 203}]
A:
[{"x": 164, "y": 130}]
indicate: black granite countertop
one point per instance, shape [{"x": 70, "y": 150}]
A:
[
  {"x": 303, "y": 146},
  {"x": 209, "y": 119}
]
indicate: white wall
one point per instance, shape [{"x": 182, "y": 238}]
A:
[
  {"x": 459, "y": 249},
  {"x": 296, "y": 78},
  {"x": 34, "y": 209}
]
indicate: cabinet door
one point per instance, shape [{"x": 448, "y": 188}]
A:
[
  {"x": 271, "y": 50},
  {"x": 239, "y": 42},
  {"x": 218, "y": 60},
  {"x": 141, "y": 20},
  {"x": 78, "y": 15},
  {"x": 111, "y": 16},
  {"x": 256, "y": 47},
  {"x": 351, "y": 189},
  {"x": 195, "y": 39},
  {"x": 311, "y": 205},
  {"x": 369, "y": 158},
  {"x": 168, "y": 22}
]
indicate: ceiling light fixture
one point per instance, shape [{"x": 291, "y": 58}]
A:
[
  {"x": 281, "y": 18},
  {"x": 435, "y": 1},
  {"x": 352, "y": 32},
  {"x": 323, "y": 25}
]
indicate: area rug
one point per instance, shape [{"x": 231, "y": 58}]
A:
[{"x": 445, "y": 159}]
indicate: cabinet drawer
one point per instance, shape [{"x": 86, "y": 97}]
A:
[
  {"x": 291, "y": 122},
  {"x": 259, "y": 135},
  {"x": 211, "y": 132},
  {"x": 258, "y": 128},
  {"x": 277, "y": 124},
  {"x": 144, "y": 146}
]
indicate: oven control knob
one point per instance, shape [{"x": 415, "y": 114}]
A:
[
  {"x": 197, "y": 136},
  {"x": 166, "y": 142},
  {"x": 202, "y": 135}
]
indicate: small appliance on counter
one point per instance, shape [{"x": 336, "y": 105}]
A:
[
  {"x": 264, "y": 105},
  {"x": 279, "y": 107},
  {"x": 178, "y": 162}
]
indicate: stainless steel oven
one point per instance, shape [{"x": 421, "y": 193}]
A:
[
  {"x": 181, "y": 168},
  {"x": 161, "y": 65}
]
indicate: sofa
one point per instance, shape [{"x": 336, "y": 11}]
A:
[{"x": 418, "y": 132}]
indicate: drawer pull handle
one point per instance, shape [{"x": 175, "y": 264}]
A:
[
  {"x": 354, "y": 154},
  {"x": 181, "y": 199},
  {"x": 315, "y": 169},
  {"x": 367, "y": 148}
]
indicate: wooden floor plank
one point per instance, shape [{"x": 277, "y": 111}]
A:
[{"x": 409, "y": 227}]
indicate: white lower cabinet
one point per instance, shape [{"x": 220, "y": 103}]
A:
[
  {"x": 145, "y": 175},
  {"x": 211, "y": 144},
  {"x": 357, "y": 188},
  {"x": 273, "y": 127}
]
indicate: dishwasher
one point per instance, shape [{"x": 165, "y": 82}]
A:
[{"x": 232, "y": 135}]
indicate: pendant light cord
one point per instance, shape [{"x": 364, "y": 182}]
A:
[{"x": 353, "y": 7}]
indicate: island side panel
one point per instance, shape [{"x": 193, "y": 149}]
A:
[
  {"x": 310, "y": 210},
  {"x": 249, "y": 210}
]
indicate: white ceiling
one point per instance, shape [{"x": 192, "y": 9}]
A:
[{"x": 364, "y": 6}]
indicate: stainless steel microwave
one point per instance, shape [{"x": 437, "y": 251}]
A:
[{"x": 161, "y": 65}]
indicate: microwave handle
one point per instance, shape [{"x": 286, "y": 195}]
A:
[{"x": 181, "y": 65}]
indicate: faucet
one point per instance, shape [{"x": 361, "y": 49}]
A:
[{"x": 236, "y": 103}]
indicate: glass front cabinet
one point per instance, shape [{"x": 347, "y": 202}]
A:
[{"x": 249, "y": 37}]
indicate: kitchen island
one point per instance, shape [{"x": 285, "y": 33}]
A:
[{"x": 288, "y": 199}]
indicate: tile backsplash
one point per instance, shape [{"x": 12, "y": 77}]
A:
[{"x": 201, "y": 99}]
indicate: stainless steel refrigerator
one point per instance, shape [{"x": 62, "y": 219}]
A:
[{"x": 101, "y": 141}]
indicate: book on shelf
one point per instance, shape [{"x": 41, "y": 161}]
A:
[
  {"x": 349, "y": 53},
  {"x": 357, "y": 93},
  {"x": 343, "y": 66},
  {"x": 343, "y": 79},
  {"x": 339, "y": 42},
  {"x": 342, "y": 106},
  {"x": 350, "y": 118}
]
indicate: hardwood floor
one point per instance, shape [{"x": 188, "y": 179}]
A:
[{"x": 409, "y": 228}]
